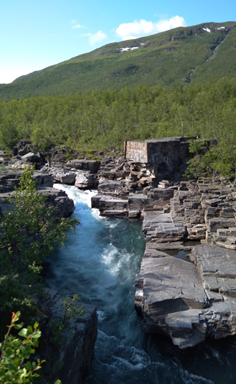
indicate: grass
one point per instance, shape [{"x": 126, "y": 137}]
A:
[{"x": 161, "y": 59}]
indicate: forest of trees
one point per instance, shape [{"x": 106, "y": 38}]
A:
[
  {"x": 101, "y": 120},
  {"x": 94, "y": 122}
]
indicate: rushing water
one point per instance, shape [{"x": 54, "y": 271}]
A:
[{"x": 100, "y": 263}]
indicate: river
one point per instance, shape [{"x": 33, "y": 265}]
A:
[{"x": 100, "y": 263}]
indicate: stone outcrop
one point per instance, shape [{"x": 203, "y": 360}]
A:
[
  {"x": 85, "y": 180},
  {"x": 44, "y": 182},
  {"x": 190, "y": 301},
  {"x": 22, "y": 148},
  {"x": 9, "y": 180},
  {"x": 60, "y": 200},
  {"x": 84, "y": 164},
  {"x": 25, "y": 157},
  {"x": 175, "y": 297},
  {"x": 170, "y": 296},
  {"x": 75, "y": 354},
  {"x": 43, "y": 179},
  {"x": 81, "y": 173}
]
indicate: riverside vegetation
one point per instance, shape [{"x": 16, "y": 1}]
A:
[
  {"x": 29, "y": 233},
  {"x": 15, "y": 364},
  {"x": 97, "y": 121}
]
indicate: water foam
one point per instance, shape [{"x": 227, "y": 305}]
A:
[{"x": 100, "y": 263}]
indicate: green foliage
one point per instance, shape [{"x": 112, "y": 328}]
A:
[
  {"x": 29, "y": 233},
  {"x": 72, "y": 311},
  {"x": 16, "y": 363},
  {"x": 15, "y": 366},
  {"x": 101, "y": 120},
  {"x": 198, "y": 165},
  {"x": 58, "y": 327}
]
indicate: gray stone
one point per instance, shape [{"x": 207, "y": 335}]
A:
[
  {"x": 110, "y": 188},
  {"x": 186, "y": 328},
  {"x": 161, "y": 228},
  {"x": 167, "y": 285},
  {"x": 8, "y": 181},
  {"x": 66, "y": 178},
  {"x": 77, "y": 351},
  {"x": 109, "y": 204},
  {"x": 84, "y": 180},
  {"x": 83, "y": 164},
  {"x": 217, "y": 267},
  {"x": 43, "y": 179},
  {"x": 34, "y": 158},
  {"x": 218, "y": 223},
  {"x": 60, "y": 200}
]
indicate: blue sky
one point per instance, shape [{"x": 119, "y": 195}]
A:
[{"x": 35, "y": 34}]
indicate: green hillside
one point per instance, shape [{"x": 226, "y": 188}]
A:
[{"x": 181, "y": 55}]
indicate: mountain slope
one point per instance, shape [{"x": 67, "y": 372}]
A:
[{"x": 183, "y": 54}]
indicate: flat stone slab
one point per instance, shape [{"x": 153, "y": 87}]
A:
[
  {"x": 162, "y": 228},
  {"x": 167, "y": 285},
  {"x": 110, "y": 205},
  {"x": 169, "y": 278},
  {"x": 188, "y": 301},
  {"x": 217, "y": 267},
  {"x": 186, "y": 328},
  {"x": 152, "y": 219},
  {"x": 168, "y": 246}
]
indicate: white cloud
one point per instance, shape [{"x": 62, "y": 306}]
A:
[
  {"x": 139, "y": 28},
  {"x": 96, "y": 37},
  {"x": 77, "y": 26}
]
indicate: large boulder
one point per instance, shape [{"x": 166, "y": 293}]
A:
[
  {"x": 188, "y": 301},
  {"x": 110, "y": 205},
  {"x": 60, "y": 200},
  {"x": 171, "y": 298},
  {"x": 85, "y": 180},
  {"x": 64, "y": 177},
  {"x": 36, "y": 159},
  {"x": 22, "y": 148},
  {"x": 29, "y": 159}
]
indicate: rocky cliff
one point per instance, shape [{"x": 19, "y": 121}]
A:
[{"x": 184, "y": 290}]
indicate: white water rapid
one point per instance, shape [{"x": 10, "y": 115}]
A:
[{"x": 100, "y": 263}]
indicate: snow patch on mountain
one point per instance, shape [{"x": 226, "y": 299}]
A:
[
  {"x": 126, "y": 49},
  {"x": 207, "y": 30}
]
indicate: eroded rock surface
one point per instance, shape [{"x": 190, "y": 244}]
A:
[
  {"x": 190, "y": 301},
  {"x": 76, "y": 350}
]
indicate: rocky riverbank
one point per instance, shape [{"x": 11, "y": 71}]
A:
[
  {"x": 69, "y": 358},
  {"x": 187, "y": 300}
]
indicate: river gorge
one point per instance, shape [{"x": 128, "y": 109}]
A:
[{"x": 100, "y": 263}]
